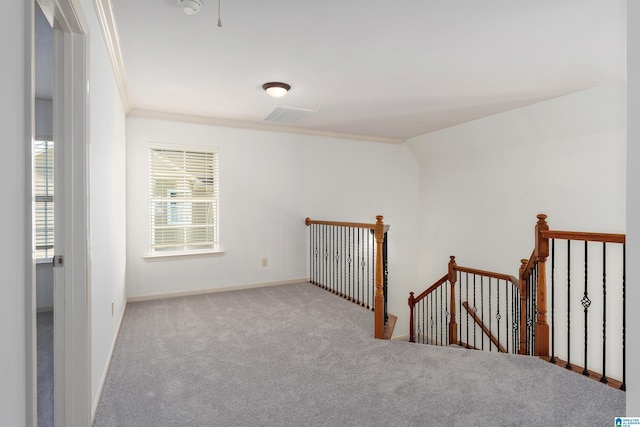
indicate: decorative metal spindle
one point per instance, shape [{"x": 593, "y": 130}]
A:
[
  {"x": 603, "y": 379},
  {"x": 506, "y": 312},
  {"x": 349, "y": 260},
  {"x": 365, "y": 270},
  {"x": 475, "y": 344},
  {"x": 490, "y": 332},
  {"x": 553, "y": 301},
  {"x": 498, "y": 310},
  {"x": 586, "y": 302},
  {"x": 357, "y": 267},
  {"x": 568, "y": 365},
  {"x": 533, "y": 310},
  {"x": 385, "y": 282},
  {"x": 422, "y": 311},
  {"x": 430, "y": 296},
  {"x": 482, "y": 310},
  {"x": 466, "y": 285},
  {"x": 623, "y": 386},
  {"x": 459, "y": 296},
  {"x": 340, "y": 263},
  {"x": 442, "y": 320}
]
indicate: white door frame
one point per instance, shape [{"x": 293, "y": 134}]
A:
[{"x": 72, "y": 317}]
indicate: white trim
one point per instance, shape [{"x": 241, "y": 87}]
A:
[
  {"x": 151, "y": 297},
  {"x": 213, "y": 121},
  {"x": 72, "y": 311},
  {"x": 103, "y": 377},
  {"x": 400, "y": 338},
  {"x": 31, "y": 334},
  {"x": 111, "y": 39},
  {"x": 157, "y": 256}
]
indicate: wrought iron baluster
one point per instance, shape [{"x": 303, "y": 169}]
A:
[
  {"x": 475, "y": 309},
  {"x": 498, "y": 316},
  {"x": 459, "y": 296},
  {"x": 357, "y": 267},
  {"x": 385, "y": 279},
  {"x": 586, "y": 303},
  {"x": 482, "y": 310},
  {"x": 534, "y": 297},
  {"x": 624, "y": 318},
  {"x": 430, "y": 296},
  {"x": 603, "y": 379},
  {"x": 568, "y": 365},
  {"x": 349, "y": 261},
  {"x": 441, "y": 313},
  {"x": 466, "y": 285},
  {"x": 424, "y": 308},
  {"x": 490, "y": 342},
  {"x": 553, "y": 301}
]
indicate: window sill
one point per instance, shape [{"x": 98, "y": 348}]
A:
[
  {"x": 189, "y": 254},
  {"x": 40, "y": 261}
]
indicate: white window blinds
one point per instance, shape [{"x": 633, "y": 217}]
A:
[
  {"x": 183, "y": 199},
  {"x": 43, "y": 204}
]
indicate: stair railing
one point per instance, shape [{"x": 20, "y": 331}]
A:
[
  {"x": 586, "y": 282},
  {"x": 349, "y": 259},
  {"x": 469, "y": 307},
  {"x": 600, "y": 343}
]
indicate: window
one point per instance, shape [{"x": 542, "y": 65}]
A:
[
  {"x": 43, "y": 206},
  {"x": 183, "y": 199}
]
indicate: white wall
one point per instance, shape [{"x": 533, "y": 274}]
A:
[
  {"x": 269, "y": 183},
  {"x": 633, "y": 206},
  {"x": 482, "y": 183},
  {"x": 44, "y": 118},
  {"x": 107, "y": 216},
  {"x": 14, "y": 252}
]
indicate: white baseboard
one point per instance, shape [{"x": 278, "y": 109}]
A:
[
  {"x": 215, "y": 290},
  {"x": 103, "y": 377},
  {"x": 400, "y": 338}
]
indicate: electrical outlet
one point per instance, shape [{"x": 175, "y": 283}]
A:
[{"x": 265, "y": 262}]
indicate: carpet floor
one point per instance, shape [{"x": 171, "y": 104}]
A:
[
  {"x": 296, "y": 355},
  {"x": 45, "y": 369}
]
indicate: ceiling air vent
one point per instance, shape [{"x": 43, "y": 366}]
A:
[{"x": 282, "y": 114}]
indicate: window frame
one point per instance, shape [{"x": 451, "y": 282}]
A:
[
  {"x": 47, "y": 198},
  {"x": 215, "y": 248}
]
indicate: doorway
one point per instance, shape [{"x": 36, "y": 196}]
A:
[{"x": 60, "y": 157}]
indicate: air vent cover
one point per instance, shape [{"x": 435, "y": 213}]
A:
[{"x": 282, "y": 114}]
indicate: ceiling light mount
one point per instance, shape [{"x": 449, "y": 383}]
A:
[
  {"x": 276, "y": 89},
  {"x": 190, "y": 7}
]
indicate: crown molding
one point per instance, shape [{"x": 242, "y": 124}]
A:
[
  {"x": 214, "y": 121},
  {"x": 107, "y": 22}
]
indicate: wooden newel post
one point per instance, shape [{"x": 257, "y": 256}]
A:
[
  {"x": 541, "y": 253},
  {"x": 412, "y": 303},
  {"x": 379, "y": 298},
  {"x": 523, "y": 307},
  {"x": 453, "y": 326}
]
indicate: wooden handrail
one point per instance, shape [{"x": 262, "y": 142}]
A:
[
  {"x": 309, "y": 221},
  {"x": 431, "y": 288},
  {"x": 486, "y": 330},
  {"x": 528, "y": 265},
  {"x": 491, "y": 274},
  {"x": 584, "y": 236}
]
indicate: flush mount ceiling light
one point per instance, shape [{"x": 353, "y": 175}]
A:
[
  {"x": 276, "y": 89},
  {"x": 190, "y": 7}
]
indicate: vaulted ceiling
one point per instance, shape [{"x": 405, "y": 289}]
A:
[{"x": 388, "y": 70}]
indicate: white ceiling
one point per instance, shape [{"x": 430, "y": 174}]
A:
[{"x": 387, "y": 69}]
